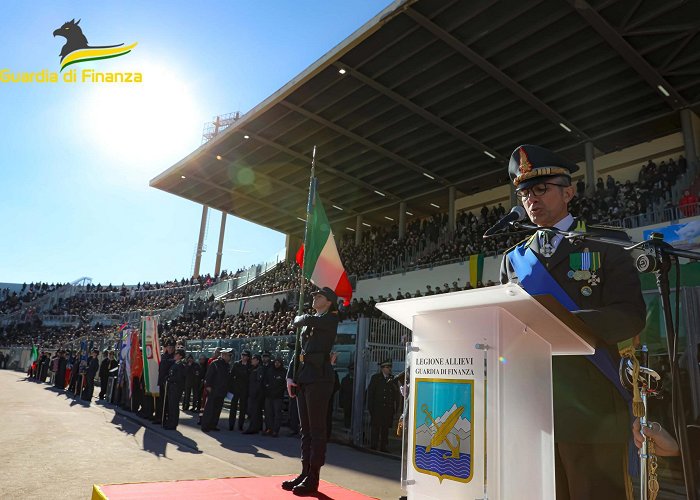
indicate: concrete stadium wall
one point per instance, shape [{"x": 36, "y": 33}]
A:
[
  {"x": 257, "y": 303},
  {"x": 414, "y": 280}
]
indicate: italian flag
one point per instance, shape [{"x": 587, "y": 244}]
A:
[{"x": 320, "y": 260}]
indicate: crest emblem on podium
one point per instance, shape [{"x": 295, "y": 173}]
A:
[{"x": 443, "y": 413}]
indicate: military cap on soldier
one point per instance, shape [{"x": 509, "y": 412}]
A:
[
  {"x": 266, "y": 353},
  {"x": 181, "y": 352},
  {"x": 96, "y": 350},
  {"x": 257, "y": 356},
  {"x": 245, "y": 352},
  {"x": 226, "y": 351},
  {"x": 386, "y": 362},
  {"x": 530, "y": 165},
  {"x": 327, "y": 293},
  {"x": 169, "y": 343}
]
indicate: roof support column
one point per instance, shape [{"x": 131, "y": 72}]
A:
[
  {"x": 451, "y": 212},
  {"x": 688, "y": 136},
  {"x": 200, "y": 241},
  {"x": 358, "y": 230},
  {"x": 220, "y": 249},
  {"x": 590, "y": 169},
  {"x": 402, "y": 219}
]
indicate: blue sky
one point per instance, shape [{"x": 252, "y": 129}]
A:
[{"x": 77, "y": 158}]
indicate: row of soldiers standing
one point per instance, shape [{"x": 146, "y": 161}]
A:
[
  {"x": 254, "y": 384},
  {"x": 68, "y": 370}
]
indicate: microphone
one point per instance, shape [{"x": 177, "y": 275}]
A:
[{"x": 517, "y": 213}]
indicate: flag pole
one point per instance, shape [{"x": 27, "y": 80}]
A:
[{"x": 309, "y": 207}]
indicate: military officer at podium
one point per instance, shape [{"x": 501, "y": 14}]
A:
[
  {"x": 599, "y": 284},
  {"x": 313, "y": 387}
]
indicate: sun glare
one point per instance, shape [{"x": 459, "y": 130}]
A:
[{"x": 144, "y": 127}]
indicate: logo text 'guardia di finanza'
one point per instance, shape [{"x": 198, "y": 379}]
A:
[{"x": 77, "y": 50}]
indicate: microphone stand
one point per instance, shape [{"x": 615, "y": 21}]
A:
[{"x": 659, "y": 260}]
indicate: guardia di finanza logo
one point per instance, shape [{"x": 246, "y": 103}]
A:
[
  {"x": 442, "y": 431},
  {"x": 78, "y": 50}
]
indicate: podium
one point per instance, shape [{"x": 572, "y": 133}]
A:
[{"x": 478, "y": 422}]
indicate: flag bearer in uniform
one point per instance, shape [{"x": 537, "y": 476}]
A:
[{"x": 313, "y": 386}]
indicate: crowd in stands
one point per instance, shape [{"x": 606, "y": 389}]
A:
[
  {"x": 106, "y": 303},
  {"x": 12, "y": 301},
  {"x": 283, "y": 277},
  {"x": 220, "y": 326},
  {"x": 425, "y": 242},
  {"x": 367, "y": 308},
  {"x": 26, "y": 334}
]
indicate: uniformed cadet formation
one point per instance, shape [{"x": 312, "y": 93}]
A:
[{"x": 254, "y": 384}]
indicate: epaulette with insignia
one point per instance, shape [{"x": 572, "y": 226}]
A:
[{"x": 528, "y": 239}]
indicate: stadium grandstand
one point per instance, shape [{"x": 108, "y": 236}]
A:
[{"x": 414, "y": 117}]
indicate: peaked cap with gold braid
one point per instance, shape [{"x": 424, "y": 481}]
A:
[{"x": 530, "y": 165}]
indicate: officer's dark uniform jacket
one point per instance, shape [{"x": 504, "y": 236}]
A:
[
  {"x": 177, "y": 375},
  {"x": 587, "y": 407},
  {"x": 240, "y": 375},
  {"x": 217, "y": 377},
  {"x": 166, "y": 361},
  {"x": 275, "y": 382},
  {"x": 104, "y": 368},
  {"x": 256, "y": 382},
  {"x": 317, "y": 339},
  {"x": 193, "y": 374},
  {"x": 382, "y": 398},
  {"x": 93, "y": 367}
]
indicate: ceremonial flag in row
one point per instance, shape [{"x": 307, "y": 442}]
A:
[
  {"x": 319, "y": 260},
  {"x": 125, "y": 356},
  {"x": 476, "y": 268},
  {"x": 136, "y": 359},
  {"x": 35, "y": 353},
  {"x": 151, "y": 354}
]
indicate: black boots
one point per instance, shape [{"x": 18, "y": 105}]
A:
[
  {"x": 290, "y": 484},
  {"x": 309, "y": 486}
]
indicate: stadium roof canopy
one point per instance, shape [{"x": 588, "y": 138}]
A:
[{"x": 435, "y": 93}]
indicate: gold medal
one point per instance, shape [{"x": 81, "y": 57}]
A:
[{"x": 585, "y": 275}]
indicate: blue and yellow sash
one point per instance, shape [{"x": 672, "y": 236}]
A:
[{"x": 536, "y": 280}]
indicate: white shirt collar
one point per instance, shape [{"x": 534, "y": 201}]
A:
[{"x": 565, "y": 223}]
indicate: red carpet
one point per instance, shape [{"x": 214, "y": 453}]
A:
[{"x": 240, "y": 488}]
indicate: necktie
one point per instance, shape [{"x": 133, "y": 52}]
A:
[{"x": 547, "y": 247}]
